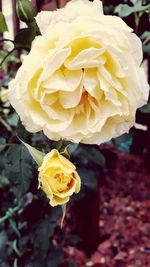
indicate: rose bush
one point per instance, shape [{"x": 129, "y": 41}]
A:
[
  {"x": 58, "y": 178},
  {"x": 82, "y": 79}
]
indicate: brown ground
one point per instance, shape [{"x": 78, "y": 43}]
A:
[{"x": 124, "y": 221}]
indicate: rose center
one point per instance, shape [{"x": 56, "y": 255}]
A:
[{"x": 60, "y": 177}]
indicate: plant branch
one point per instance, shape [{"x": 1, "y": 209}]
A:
[
  {"x": 6, "y": 40},
  {"x": 6, "y": 125},
  {"x": 8, "y": 54},
  {"x": 146, "y": 40},
  {"x": 9, "y": 214}
]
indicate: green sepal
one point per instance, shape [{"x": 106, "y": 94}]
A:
[
  {"x": 25, "y": 11},
  {"x": 63, "y": 215},
  {"x": 35, "y": 153}
]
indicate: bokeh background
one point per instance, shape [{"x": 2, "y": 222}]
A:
[{"x": 108, "y": 223}]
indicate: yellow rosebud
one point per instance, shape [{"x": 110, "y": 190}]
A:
[{"x": 58, "y": 178}]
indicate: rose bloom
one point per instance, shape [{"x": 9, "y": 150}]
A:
[
  {"x": 58, "y": 178},
  {"x": 82, "y": 79}
]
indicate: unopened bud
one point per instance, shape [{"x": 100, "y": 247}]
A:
[{"x": 25, "y": 11}]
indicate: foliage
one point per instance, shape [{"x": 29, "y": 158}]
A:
[
  {"x": 125, "y": 10},
  {"x": 3, "y": 25},
  {"x": 146, "y": 108},
  {"x": 30, "y": 233}
]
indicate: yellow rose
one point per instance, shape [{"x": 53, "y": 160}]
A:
[
  {"x": 82, "y": 79},
  {"x": 58, "y": 178}
]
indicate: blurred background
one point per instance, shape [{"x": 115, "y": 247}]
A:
[{"x": 108, "y": 223}]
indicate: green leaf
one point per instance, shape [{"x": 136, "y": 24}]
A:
[
  {"x": 55, "y": 214},
  {"x": 3, "y": 25},
  {"x": 21, "y": 132},
  {"x": 123, "y": 142},
  {"x": 3, "y": 161},
  {"x": 145, "y": 35},
  {"x": 94, "y": 157},
  {"x": 89, "y": 177},
  {"x": 97, "y": 157},
  {"x": 2, "y": 143},
  {"x": 19, "y": 168},
  {"x": 3, "y": 181},
  {"x": 44, "y": 230},
  {"x": 37, "y": 155},
  {"x": 146, "y": 49},
  {"x": 145, "y": 108},
  {"x": 3, "y": 240},
  {"x": 125, "y": 10},
  {"x": 13, "y": 119},
  {"x": 24, "y": 38},
  {"x": 72, "y": 148},
  {"x": 55, "y": 258},
  {"x": 73, "y": 240}
]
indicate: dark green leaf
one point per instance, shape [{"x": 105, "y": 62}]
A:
[
  {"x": 19, "y": 167},
  {"x": 145, "y": 108},
  {"x": 88, "y": 177},
  {"x": 3, "y": 161},
  {"x": 21, "y": 131},
  {"x": 145, "y": 35},
  {"x": 73, "y": 240},
  {"x": 2, "y": 143},
  {"x": 88, "y": 155},
  {"x": 3, "y": 181},
  {"x": 123, "y": 142},
  {"x": 55, "y": 213},
  {"x": 146, "y": 49},
  {"x": 3, "y": 240},
  {"x": 24, "y": 38},
  {"x": 55, "y": 258},
  {"x": 13, "y": 119},
  {"x": 108, "y": 9},
  {"x": 44, "y": 231},
  {"x": 3, "y": 25},
  {"x": 72, "y": 148}
]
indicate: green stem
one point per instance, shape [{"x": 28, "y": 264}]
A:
[
  {"x": 1, "y": 145},
  {"x": 15, "y": 248},
  {"x": 13, "y": 225},
  {"x": 6, "y": 125},
  {"x": 63, "y": 214},
  {"x": 9, "y": 214},
  {"x": 137, "y": 17},
  {"x": 8, "y": 54},
  {"x": 6, "y": 40},
  {"x": 15, "y": 262},
  {"x": 146, "y": 40},
  {"x": 59, "y": 144}
]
